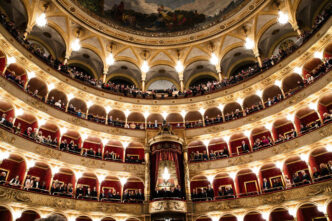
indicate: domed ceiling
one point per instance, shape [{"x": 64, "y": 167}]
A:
[{"x": 162, "y": 15}]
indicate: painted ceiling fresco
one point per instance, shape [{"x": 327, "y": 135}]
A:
[{"x": 161, "y": 15}]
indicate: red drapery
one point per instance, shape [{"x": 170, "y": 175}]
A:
[{"x": 167, "y": 155}]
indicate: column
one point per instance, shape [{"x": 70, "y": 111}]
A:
[
  {"x": 181, "y": 85},
  {"x": 218, "y": 68},
  {"x": 186, "y": 173},
  {"x": 258, "y": 57},
  {"x": 147, "y": 173},
  {"x": 143, "y": 85},
  {"x": 104, "y": 76}
]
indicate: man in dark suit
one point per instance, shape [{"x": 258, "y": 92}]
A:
[
  {"x": 245, "y": 147},
  {"x": 266, "y": 185},
  {"x": 210, "y": 193}
]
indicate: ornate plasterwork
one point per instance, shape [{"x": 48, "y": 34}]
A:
[
  {"x": 168, "y": 206},
  {"x": 302, "y": 194},
  {"x": 137, "y": 38}
]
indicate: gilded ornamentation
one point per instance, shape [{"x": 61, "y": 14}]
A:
[
  {"x": 47, "y": 152},
  {"x": 5, "y": 138},
  {"x": 168, "y": 206}
]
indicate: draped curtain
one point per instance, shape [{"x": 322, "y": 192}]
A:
[{"x": 167, "y": 155}]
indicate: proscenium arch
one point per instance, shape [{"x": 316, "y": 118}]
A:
[
  {"x": 177, "y": 85},
  {"x": 194, "y": 76},
  {"x": 114, "y": 75}
]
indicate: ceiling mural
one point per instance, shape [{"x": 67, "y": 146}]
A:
[{"x": 161, "y": 15}]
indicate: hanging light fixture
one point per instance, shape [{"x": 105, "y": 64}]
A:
[
  {"x": 76, "y": 45},
  {"x": 179, "y": 66},
  {"x": 166, "y": 175},
  {"x": 110, "y": 59},
  {"x": 282, "y": 18},
  {"x": 145, "y": 67}
]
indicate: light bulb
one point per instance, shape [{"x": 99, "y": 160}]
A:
[
  {"x": 164, "y": 114},
  {"x": 166, "y": 174},
  {"x": 123, "y": 180},
  {"x": 41, "y": 20},
  {"x": 249, "y": 43},
  {"x": 214, "y": 59},
  {"x": 145, "y": 67},
  {"x": 50, "y": 87},
  {"x": 318, "y": 54},
  {"x": 125, "y": 144},
  {"x": 110, "y": 59},
  {"x": 179, "y": 67},
  {"x": 11, "y": 60},
  {"x": 76, "y": 45},
  {"x": 282, "y": 18}
]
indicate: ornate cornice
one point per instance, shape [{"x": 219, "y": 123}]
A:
[
  {"x": 265, "y": 155},
  {"x": 160, "y": 40},
  {"x": 312, "y": 192},
  {"x": 35, "y": 200},
  {"x": 64, "y": 83},
  {"x": 23, "y": 146}
]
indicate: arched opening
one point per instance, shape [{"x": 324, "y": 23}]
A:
[
  {"x": 110, "y": 189},
  {"x": 92, "y": 147},
  {"x": 280, "y": 214},
  {"x": 252, "y": 104},
  {"x": 175, "y": 119},
  {"x": 154, "y": 120},
  {"x": 16, "y": 74},
  {"x": 306, "y": 120},
  {"x": 134, "y": 153},
  {"x": 5, "y": 214},
  {"x": 28, "y": 215},
  {"x": 218, "y": 149},
  {"x": 13, "y": 168},
  {"x": 116, "y": 118},
  {"x": 7, "y": 112},
  {"x": 114, "y": 151},
  {"x": 87, "y": 187},
  {"x": 223, "y": 186},
  {"x": 253, "y": 216},
  {"x": 97, "y": 114},
  {"x": 327, "y": 53},
  {"x": 233, "y": 111},
  {"x": 272, "y": 95},
  {"x": 58, "y": 99},
  {"x": 271, "y": 178},
  {"x": 283, "y": 130},
  {"x": 261, "y": 137},
  {"x": 71, "y": 141},
  {"x": 77, "y": 107},
  {"x": 318, "y": 161},
  {"x": 197, "y": 151},
  {"x": 228, "y": 217},
  {"x": 247, "y": 183},
  {"x": 239, "y": 144},
  {"x": 308, "y": 212},
  {"x": 51, "y": 134},
  {"x": 136, "y": 120},
  {"x": 37, "y": 88},
  {"x": 27, "y": 125},
  {"x": 198, "y": 188},
  {"x": 133, "y": 191},
  {"x": 213, "y": 116},
  {"x": 83, "y": 218},
  {"x": 193, "y": 119},
  {"x": 325, "y": 108},
  {"x": 310, "y": 68},
  {"x": 297, "y": 171},
  {"x": 63, "y": 183},
  {"x": 108, "y": 219},
  {"x": 291, "y": 84},
  {"x": 38, "y": 178}
]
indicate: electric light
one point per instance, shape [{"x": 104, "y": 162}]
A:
[
  {"x": 89, "y": 104},
  {"x": 255, "y": 170},
  {"x": 41, "y": 122},
  {"x": 247, "y": 133},
  {"x": 164, "y": 114},
  {"x": 221, "y": 107},
  {"x": 78, "y": 174},
  {"x": 17, "y": 214},
  {"x": 104, "y": 141},
  {"x": 292, "y": 211},
  {"x": 145, "y": 67},
  {"x": 11, "y": 60},
  {"x": 84, "y": 137},
  {"x": 4, "y": 155},
  {"x": 239, "y": 100},
  {"x": 76, "y": 45},
  {"x": 313, "y": 106},
  {"x": 282, "y": 18},
  {"x": 166, "y": 174},
  {"x": 30, "y": 163},
  {"x": 304, "y": 157},
  {"x": 63, "y": 130},
  {"x": 206, "y": 142},
  {"x": 249, "y": 43},
  {"x": 210, "y": 178},
  {"x": 70, "y": 96},
  {"x": 279, "y": 165},
  {"x": 277, "y": 83},
  {"x": 19, "y": 112},
  {"x": 329, "y": 147},
  {"x": 318, "y": 54},
  {"x": 179, "y": 67},
  {"x": 232, "y": 175},
  {"x": 240, "y": 217},
  {"x": 290, "y": 117},
  {"x": 31, "y": 74},
  {"x": 202, "y": 111},
  {"x": 265, "y": 215},
  {"x": 214, "y": 59},
  {"x": 127, "y": 112},
  {"x": 108, "y": 109},
  {"x": 123, "y": 180},
  {"x": 259, "y": 93},
  {"x": 146, "y": 114},
  {"x": 41, "y": 20},
  {"x": 50, "y": 87},
  {"x": 125, "y": 144},
  {"x": 55, "y": 170},
  {"x": 183, "y": 113},
  {"x": 322, "y": 208},
  {"x": 226, "y": 138},
  {"x": 268, "y": 126},
  {"x": 298, "y": 70},
  {"x": 110, "y": 59},
  {"x": 101, "y": 177}
]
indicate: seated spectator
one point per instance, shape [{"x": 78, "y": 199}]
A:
[
  {"x": 266, "y": 185},
  {"x": 15, "y": 181},
  {"x": 244, "y": 147},
  {"x": 79, "y": 192},
  {"x": 327, "y": 117},
  {"x": 3, "y": 177}
]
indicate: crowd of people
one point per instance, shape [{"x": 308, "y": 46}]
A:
[
  {"x": 132, "y": 91},
  {"x": 171, "y": 193}
]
